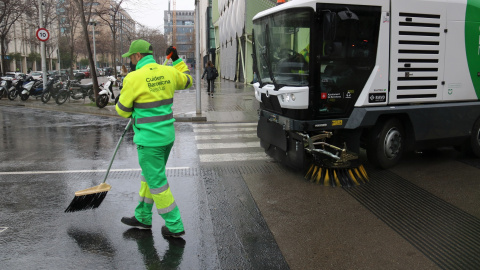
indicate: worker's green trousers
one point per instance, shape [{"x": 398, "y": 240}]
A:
[{"x": 155, "y": 189}]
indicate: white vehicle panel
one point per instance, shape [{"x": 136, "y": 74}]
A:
[
  {"x": 417, "y": 51},
  {"x": 288, "y": 97}
]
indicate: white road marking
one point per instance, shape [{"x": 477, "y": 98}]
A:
[
  {"x": 84, "y": 171},
  {"x": 201, "y": 130},
  {"x": 225, "y": 136},
  {"x": 2, "y": 229},
  {"x": 224, "y": 125},
  {"x": 227, "y": 145},
  {"x": 233, "y": 157}
]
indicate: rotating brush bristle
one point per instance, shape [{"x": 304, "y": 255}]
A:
[{"x": 337, "y": 174}]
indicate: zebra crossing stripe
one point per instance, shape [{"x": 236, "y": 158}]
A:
[
  {"x": 227, "y": 145},
  {"x": 201, "y": 130},
  {"x": 224, "y": 136},
  {"x": 224, "y": 125},
  {"x": 233, "y": 157}
]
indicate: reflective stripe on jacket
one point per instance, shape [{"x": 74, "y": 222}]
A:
[{"x": 147, "y": 97}]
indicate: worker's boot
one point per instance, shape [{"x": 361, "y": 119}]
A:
[
  {"x": 133, "y": 222},
  {"x": 167, "y": 233}
]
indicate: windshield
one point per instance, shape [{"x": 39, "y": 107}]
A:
[{"x": 282, "y": 46}]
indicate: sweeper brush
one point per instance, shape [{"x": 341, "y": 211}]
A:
[
  {"x": 91, "y": 198},
  {"x": 333, "y": 166}
]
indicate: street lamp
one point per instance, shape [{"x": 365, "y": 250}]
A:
[{"x": 94, "y": 23}]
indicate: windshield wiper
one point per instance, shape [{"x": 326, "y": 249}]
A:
[{"x": 266, "y": 58}]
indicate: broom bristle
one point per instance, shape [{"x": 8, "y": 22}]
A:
[
  {"x": 345, "y": 174},
  {"x": 85, "y": 202},
  {"x": 89, "y": 198}
]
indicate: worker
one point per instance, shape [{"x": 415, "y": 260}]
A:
[
  {"x": 306, "y": 53},
  {"x": 147, "y": 97}
]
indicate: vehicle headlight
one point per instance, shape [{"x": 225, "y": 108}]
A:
[{"x": 287, "y": 97}]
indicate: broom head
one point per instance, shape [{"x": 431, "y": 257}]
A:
[
  {"x": 89, "y": 198},
  {"x": 332, "y": 165},
  {"x": 337, "y": 173}
]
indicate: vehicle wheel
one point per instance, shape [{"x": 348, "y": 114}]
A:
[
  {"x": 61, "y": 97},
  {"x": 385, "y": 144},
  {"x": 24, "y": 97},
  {"x": 2, "y": 93},
  {"x": 102, "y": 101},
  {"x": 475, "y": 138},
  {"x": 45, "y": 97},
  {"x": 91, "y": 96},
  {"x": 12, "y": 95}
]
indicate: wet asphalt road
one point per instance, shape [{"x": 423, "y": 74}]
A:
[
  {"x": 47, "y": 156},
  {"x": 238, "y": 214}
]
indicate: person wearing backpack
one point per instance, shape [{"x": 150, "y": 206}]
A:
[{"x": 212, "y": 74}]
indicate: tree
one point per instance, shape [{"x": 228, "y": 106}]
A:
[
  {"x": 68, "y": 19},
  {"x": 110, "y": 13},
  {"x": 154, "y": 37},
  {"x": 84, "y": 62},
  {"x": 10, "y": 12},
  {"x": 83, "y": 20}
]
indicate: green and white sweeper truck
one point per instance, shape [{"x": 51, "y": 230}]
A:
[{"x": 388, "y": 76}]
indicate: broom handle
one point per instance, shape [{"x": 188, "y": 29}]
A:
[{"x": 116, "y": 148}]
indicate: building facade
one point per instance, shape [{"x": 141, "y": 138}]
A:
[
  {"x": 231, "y": 23},
  {"x": 23, "y": 48},
  {"x": 184, "y": 39}
]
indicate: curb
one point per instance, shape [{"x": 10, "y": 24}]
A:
[{"x": 84, "y": 109}]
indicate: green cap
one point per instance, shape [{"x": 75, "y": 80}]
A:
[{"x": 138, "y": 46}]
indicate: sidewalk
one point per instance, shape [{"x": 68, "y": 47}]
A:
[{"x": 232, "y": 102}]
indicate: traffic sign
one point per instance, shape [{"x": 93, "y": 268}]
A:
[{"x": 42, "y": 34}]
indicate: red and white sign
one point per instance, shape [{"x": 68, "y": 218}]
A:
[
  {"x": 42, "y": 34},
  {"x": 323, "y": 96}
]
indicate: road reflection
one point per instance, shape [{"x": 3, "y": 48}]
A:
[{"x": 172, "y": 257}]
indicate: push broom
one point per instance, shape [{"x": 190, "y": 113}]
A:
[{"x": 91, "y": 198}]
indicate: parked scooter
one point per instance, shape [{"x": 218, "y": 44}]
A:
[
  {"x": 54, "y": 85},
  {"x": 31, "y": 88},
  {"x": 76, "y": 91},
  {"x": 106, "y": 92},
  {"x": 5, "y": 84},
  {"x": 16, "y": 88}
]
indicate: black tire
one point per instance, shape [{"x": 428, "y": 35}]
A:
[
  {"x": 2, "y": 93},
  {"x": 24, "y": 97},
  {"x": 61, "y": 97},
  {"x": 46, "y": 97},
  {"x": 475, "y": 139},
  {"x": 12, "y": 95},
  {"x": 102, "y": 101},
  {"x": 386, "y": 142}
]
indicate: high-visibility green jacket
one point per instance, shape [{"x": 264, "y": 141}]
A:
[{"x": 147, "y": 97}]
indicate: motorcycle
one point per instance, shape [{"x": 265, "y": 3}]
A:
[
  {"x": 31, "y": 88},
  {"x": 105, "y": 92},
  {"x": 16, "y": 87},
  {"x": 73, "y": 89},
  {"x": 54, "y": 85},
  {"x": 5, "y": 84}
]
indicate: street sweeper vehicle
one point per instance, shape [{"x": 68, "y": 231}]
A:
[{"x": 387, "y": 76}]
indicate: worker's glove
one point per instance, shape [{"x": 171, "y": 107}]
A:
[{"x": 172, "y": 53}]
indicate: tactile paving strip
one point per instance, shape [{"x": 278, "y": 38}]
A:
[{"x": 447, "y": 235}]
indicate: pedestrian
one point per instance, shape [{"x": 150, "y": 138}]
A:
[
  {"x": 212, "y": 74},
  {"x": 123, "y": 72},
  {"x": 147, "y": 97}
]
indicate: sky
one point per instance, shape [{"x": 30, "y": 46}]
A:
[{"x": 150, "y": 12}]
